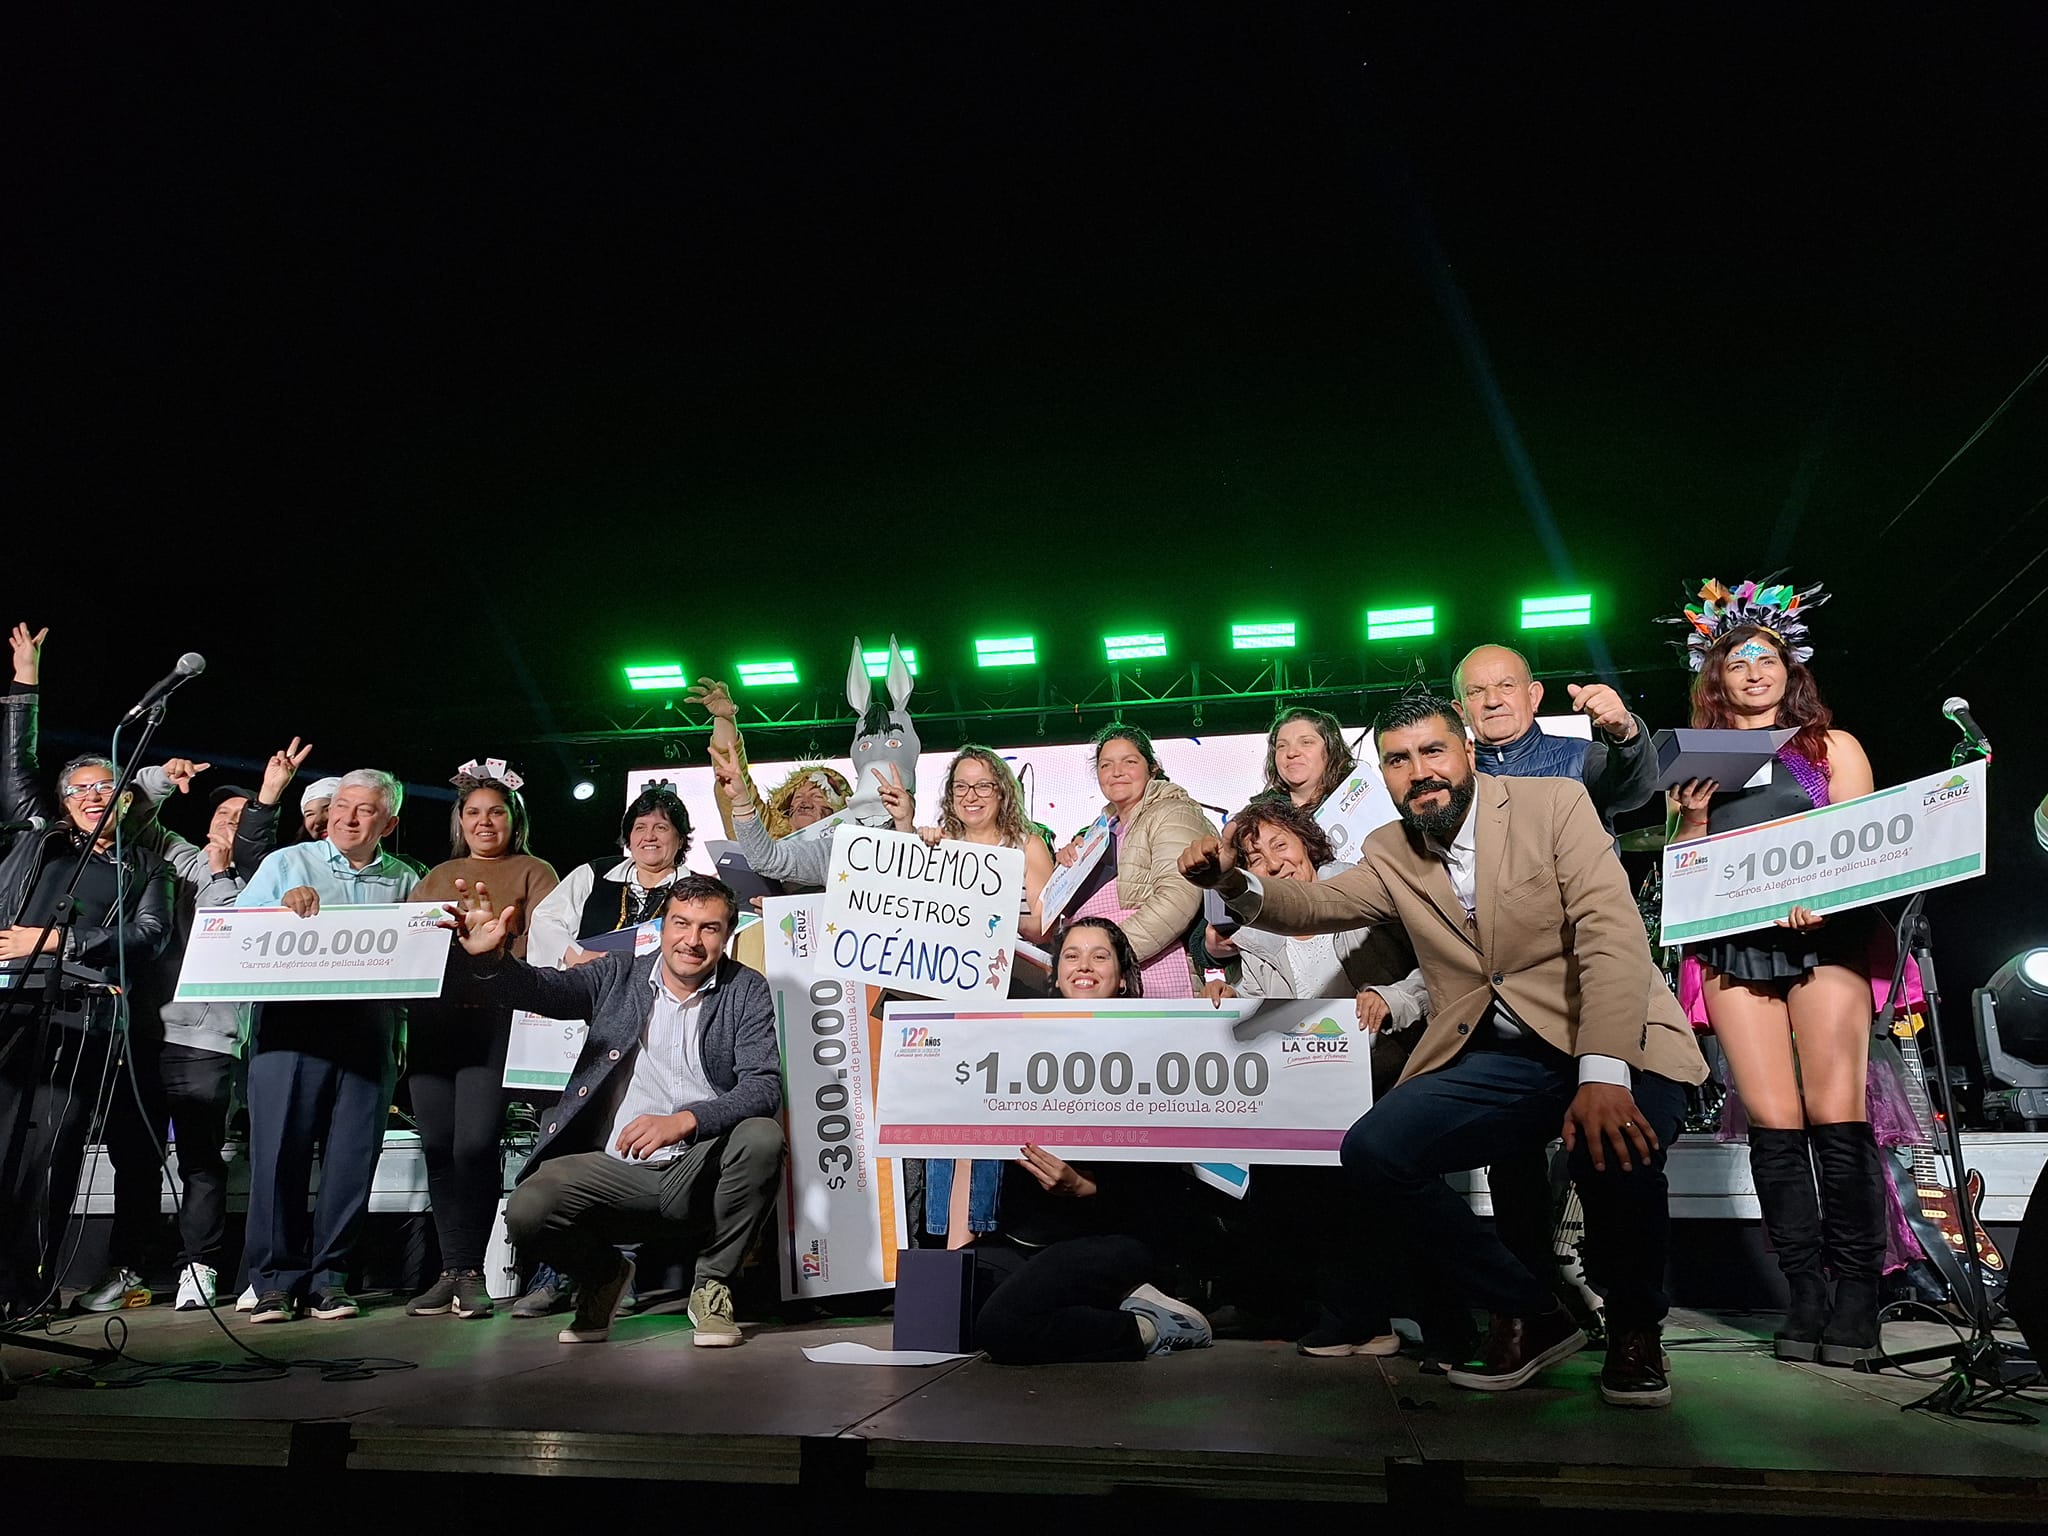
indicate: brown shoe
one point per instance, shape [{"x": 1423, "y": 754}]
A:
[
  {"x": 1637, "y": 1372},
  {"x": 1519, "y": 1347}
]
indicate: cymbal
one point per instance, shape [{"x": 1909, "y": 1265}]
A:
[{"x": 1644, "y": 840}]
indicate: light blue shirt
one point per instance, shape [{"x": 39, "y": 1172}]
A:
[
  {"x": 668, "y": 1069},
  {"x": 322, "y": 866}
]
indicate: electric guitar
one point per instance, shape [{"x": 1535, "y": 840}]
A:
[{"x": 1925, "y": 1187}]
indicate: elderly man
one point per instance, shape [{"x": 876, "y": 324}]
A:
[
  {"x": 321, "y": 1072},
  {"x": 1543, "y": 1015},
  {"x": 669, "y": 1115},
  {"x": 1499, "y": 699}
]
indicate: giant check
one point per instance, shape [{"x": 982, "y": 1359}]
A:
[
  {"x": 271, "y": 954},
  {"x": 1907, "y": 838},
  {"x": 1124, "y": 1080},
  {"x": 841, "y": 1212}
]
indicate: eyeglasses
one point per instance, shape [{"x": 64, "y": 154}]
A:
[
  {"x": 982, "y": 791},
  {"x": 99, "y": 788}
]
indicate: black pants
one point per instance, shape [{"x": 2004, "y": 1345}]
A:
[
  {"x": 48, "y": 1088},
  {"x": 1042, "y": 1306},
  {"x": 1492, "y": 1102},
  {"x": 318, "y": 1072},
  {"x": 185, "y": 1088},
  {"x": 455, "y": 1066}
]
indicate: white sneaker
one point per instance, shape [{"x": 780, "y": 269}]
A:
[
  {"x": 196, "y": 1288},
  {"x": 246, "y": 1302}
]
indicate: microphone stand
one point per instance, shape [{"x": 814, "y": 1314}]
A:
[
  {"x": 1984, "y": 1367},
  {"x": 61, "y": 917}
]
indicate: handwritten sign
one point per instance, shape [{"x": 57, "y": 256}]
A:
[{"x": 931, "y": 919}]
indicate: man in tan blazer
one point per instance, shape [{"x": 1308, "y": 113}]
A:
[{"x": 1545, "y": 1010}]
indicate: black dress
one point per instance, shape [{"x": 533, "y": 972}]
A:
[{"x": 1776, "y": 954}]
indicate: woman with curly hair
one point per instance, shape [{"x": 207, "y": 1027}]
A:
[{"x": 983, "y": 803}]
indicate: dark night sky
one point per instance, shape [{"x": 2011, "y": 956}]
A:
[{"x": 420, "y": 367}]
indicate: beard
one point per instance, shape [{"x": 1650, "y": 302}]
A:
[{"x": 1440, "y": 824}]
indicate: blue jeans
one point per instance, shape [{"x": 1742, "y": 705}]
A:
[
  {"x": 984, "y": 1180},
  {"x": 1497, "y": 1100}
]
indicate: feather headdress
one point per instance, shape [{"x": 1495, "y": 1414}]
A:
[{"x": 1780, "y": 609}]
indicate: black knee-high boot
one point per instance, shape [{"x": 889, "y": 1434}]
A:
[
  {"x": 1783, "y": 1175},
  {"x": 1853, "y": 1217}
]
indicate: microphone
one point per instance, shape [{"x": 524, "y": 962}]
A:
[
  {"x": 33, "y": 824},
  {"x": 190, "y": 665},
  {"x": 1957, "y": 710}
]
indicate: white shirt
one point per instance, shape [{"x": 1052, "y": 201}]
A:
[{"x": 668, "y": 1069}]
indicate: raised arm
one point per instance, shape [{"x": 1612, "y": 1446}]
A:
[{"x": 20, "y": 796}]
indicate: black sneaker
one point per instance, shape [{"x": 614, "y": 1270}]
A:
[
  {"x": 550, "y": 1292},
  {"x": 274, "y": 1307},
  {"x": 436, "y": 1300},
  {"x": 472, "y": 1296},
  {"x": 1637, "y": 1372},
  {"x": 332, "y": 1306},
  {"x": 596, "y": 1306}
]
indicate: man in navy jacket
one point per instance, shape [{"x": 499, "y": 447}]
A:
[{"x": 669, "y": 1115}]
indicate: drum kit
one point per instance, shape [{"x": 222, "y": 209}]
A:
[{"x": 1703, "y": 1103}]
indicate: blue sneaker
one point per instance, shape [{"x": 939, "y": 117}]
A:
[{"x": 1175, "y": 1324}]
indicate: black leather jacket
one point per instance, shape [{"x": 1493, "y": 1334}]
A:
[{"x": 145, "y": 918}]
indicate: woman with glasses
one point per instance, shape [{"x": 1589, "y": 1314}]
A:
[
  {"x": 981, "y": 803},
  {"x": 120, "y": 921}
]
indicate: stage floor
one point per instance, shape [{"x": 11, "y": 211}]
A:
[{"x": 1244, "y": 1420}]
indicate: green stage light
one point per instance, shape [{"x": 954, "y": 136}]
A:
[
  {"x": 763, "y": 674},
  {"x": 1571, "y": 612},
  {"x": 656, "y": 677},
  {"x": 877, "y": 662},
  {"x": 1262, "y": 637},
  {"x": 1400, "y": 623},
  {"x": 1133, "y": 647},
  {"x": 1006, "y": 651}
]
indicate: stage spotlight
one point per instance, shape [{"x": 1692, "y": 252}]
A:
[
  {"x": 583, "y": 789},
  {"x": 1275, "y": 636},
  {"x": 1006, "y": 651},
  {"x": 1574, "y": 612},
  {"x": 2012, "y": 1032},
  {"x": 1400, "y": 623},
  {"x": 1133, "y": 647},
  {"x": 877, "y": 663},
  {"x": 656, "y": 677}
]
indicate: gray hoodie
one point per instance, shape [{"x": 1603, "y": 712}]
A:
[{"x": 218, "y": 1027}]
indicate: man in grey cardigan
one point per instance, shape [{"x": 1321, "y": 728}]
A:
[{"x": 669, "y": 1115}]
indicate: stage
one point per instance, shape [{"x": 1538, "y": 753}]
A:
[{"x": 495, "y": 1403}]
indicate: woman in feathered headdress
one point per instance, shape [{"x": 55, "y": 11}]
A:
[{"x": 1790, "y": 1003}]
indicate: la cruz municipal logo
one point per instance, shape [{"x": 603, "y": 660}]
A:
[
  {"x": 1353, "y": 793},
  {"x": 1948, "y": 792},
  {"x": 418, "y": 920},
  {"x": 796, "y": 932},
  {"x": 915, "y": 1041},
  {"x": 1315, "y": 1040}
]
